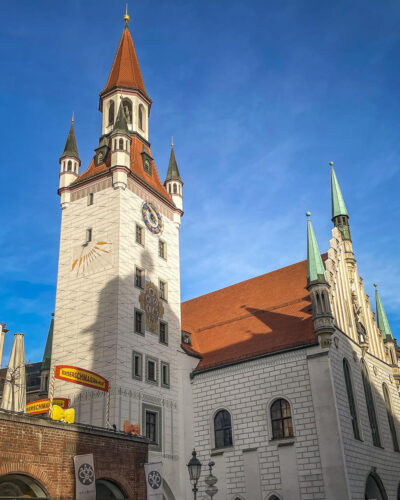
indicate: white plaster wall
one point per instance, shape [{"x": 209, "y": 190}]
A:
[
  {"x": 246, "y": 390},
  {"x": 94, "y": 318},
  {"x": 362, "y": 456}
]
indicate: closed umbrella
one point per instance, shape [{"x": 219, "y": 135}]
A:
[{"x": 14, "y": 392}]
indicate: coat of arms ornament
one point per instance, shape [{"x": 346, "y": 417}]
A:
[{"x": 152, "y": 306}]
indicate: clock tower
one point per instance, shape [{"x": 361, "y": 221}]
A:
[{"x": 118, "y": 289}]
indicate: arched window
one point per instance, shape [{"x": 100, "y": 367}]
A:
[
  {"x": 169, "y": 188},
  {"x": 273, "y": 497},
  {"x": 390, "y": 417},
  {"x": 175, "y": 190},
  {"x": 20, "y": 486},
  {"x": 374, "y": 489},
  {"x": 351, "y": 400},
  {"x": 281, "y": 419},
  {"x": 111, "y": 113},
  {"x": 223, "y": 429},
  {"x": 370, "y": 405},
  {"x": 398, "y": 492},
  {"x": 127, "y": 107},
  {"x": 121, "y": 144},
  {"x": 69, "y": 165},
  {"x": 141, "y": 117}
]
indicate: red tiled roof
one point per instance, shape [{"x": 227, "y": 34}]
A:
[
  {"x": 125, "y": 71},
  {"x": 262, "y": 315},
  {"x": 136, "y": 167}
]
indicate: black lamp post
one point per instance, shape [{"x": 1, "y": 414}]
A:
[{"x": 194, "y": 468}]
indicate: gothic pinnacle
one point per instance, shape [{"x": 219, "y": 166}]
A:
[{"x": 315, "y": 267}]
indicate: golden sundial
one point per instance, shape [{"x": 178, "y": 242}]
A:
[{"x": 90, "y": 257}]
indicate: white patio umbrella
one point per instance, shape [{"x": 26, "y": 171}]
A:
[{"x": 14, "y": 392}]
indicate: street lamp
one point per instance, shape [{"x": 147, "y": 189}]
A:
[
  {"x": 194, "y": 468},
  {"x": 211, "y": 481}
]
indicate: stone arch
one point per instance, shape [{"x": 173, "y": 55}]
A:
[
  {"x": 374, "y": 489},
  {"x": 117, "y": 479},
  {"x": 32, "y": 471}
]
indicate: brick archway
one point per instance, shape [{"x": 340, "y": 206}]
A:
[
  {"x": 32, "y": 471},
  {"x": 116, "y": 479}
]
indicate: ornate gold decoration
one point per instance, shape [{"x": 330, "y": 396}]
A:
[
  {"x": 126, "y": 16},
  {"x": 86, "y": 256},
  {"x": 152, "y": 306}
]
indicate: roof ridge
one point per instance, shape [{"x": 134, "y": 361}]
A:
[{"x": 248, "y": 279}]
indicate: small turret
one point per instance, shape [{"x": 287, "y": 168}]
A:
[
  {"x": 120, "y": 150},
  {"x": 384, "y": 327},
  {"x": 69, "y": 165},
  {"x": 318, "y": 287},
  {"x": 173, "y": 182}
]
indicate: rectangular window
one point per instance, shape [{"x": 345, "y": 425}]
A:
[
  {"x": 137, "y": 365},
  {"x": 151, "y": 370},
  {"x": 162, "y": 249},
  {"x": 164, "y": 374},
  {"x": 88, "y": 235},
  {"x": 139, "y": 322},
  {"x": 139, "y": 234},
  {"x": 139, "y": 277},
  {"x": 163, "y": 288},
  {"x": 151, "y": 426},
  {"x": 90, "y": 199},
  {"x": 163, "y": 331}
]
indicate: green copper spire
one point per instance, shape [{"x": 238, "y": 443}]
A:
[
  {"x": 315, "y": 267},
  {"x": 338, "y": 205},
  {"x": 173, "y": 171},
  {"x": 49, "y": 343},
  {"x": 70, "y": 148},
  {"x": 381, "y": 317},
  {"x": 120, "y": 125}
]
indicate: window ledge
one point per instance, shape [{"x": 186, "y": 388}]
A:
[
  {"x": 283, "y": 441},
  {"x": 220, "y": 451}
]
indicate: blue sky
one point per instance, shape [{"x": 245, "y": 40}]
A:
[{"x": 259, "y": 97}]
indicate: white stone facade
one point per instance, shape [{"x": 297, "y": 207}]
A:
[{"x": 95, "y": 307}]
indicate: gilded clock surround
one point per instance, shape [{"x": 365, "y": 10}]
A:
[{"x": 152, "y": 218}]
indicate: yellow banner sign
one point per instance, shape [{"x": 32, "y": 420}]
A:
[
  {"x": 42, "y": 405},
  {"x": 81, "y": 376}
]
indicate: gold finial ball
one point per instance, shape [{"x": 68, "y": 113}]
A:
[
  {"x": 308, "y": 214},
  {"x": 331, "y": 163},
  {"x": 126, "y": 18}
]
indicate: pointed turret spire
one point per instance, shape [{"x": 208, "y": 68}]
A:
[
  {"x": 125, "y": 71},
  {"x": 173, "y": 171},
  {"x": 338, "y": 204},
  {"x": 381, "y": 317},
  {"x": 315, "y": 267},
  {"x": 120, "y": 125},
  {"x": 340, "y": 216},
  {"x": 70, "y": 148}
]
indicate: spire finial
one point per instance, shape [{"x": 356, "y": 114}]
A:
[
  {"x": 375, "y": 285},
  {"x": 308, "y": 214},
  {"x": 126, "y": 16},
  {"x": 172, "y": 141},
  {"x": 73, "y": 117},
  {"x": 331, "y": 163}
]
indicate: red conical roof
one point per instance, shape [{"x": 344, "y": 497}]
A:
[{"x": 125, "y": 71}]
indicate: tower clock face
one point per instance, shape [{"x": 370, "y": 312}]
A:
[{"x": 152, "y": 218}]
